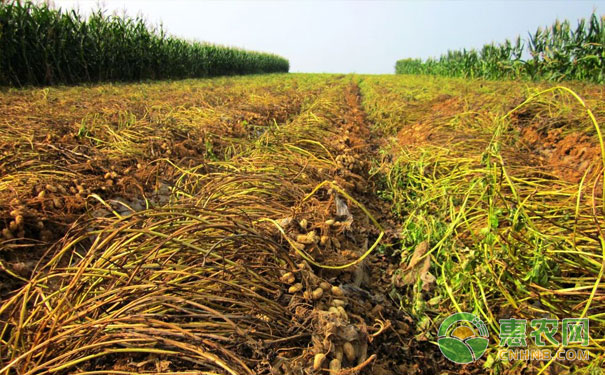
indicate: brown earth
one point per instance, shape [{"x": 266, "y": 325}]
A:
[
  {"x": 567, "y": 156},
  {"x": 398, "y": 349},
  {"x": 550, "y": 143}
]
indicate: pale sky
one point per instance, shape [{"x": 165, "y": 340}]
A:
[{"x": 348, "y": 36}]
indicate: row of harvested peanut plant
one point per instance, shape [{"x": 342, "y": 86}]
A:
[
  {"x": 179, "y": 225},
  {"x": 499, "y": 191}
]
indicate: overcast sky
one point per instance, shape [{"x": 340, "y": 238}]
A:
[{"x": 348, "y": 36}]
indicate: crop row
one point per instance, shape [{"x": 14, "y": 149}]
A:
[
  {"x": 40, "y": 45},
  {"x": 555, "y": 53},
  {"x": 498, "y": 188}
]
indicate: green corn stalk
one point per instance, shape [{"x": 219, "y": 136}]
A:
[
  {"x": 40, "y": 45},
  {"x": 556, "y": 53}
]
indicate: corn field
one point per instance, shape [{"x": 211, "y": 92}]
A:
[
  {"x": 40, "y": 46},
  {"x": 555, "y": 53}
]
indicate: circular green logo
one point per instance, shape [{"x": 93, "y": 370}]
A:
[{"x": 463, "y": 338}]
